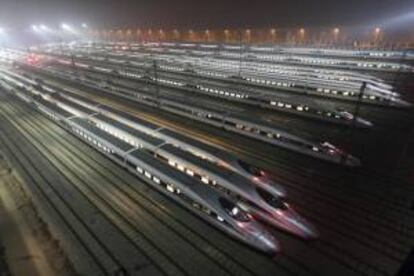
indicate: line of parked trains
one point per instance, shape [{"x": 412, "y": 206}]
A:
[
  {"x": 373, "y": 54},
  {"x": 385, "y": 61},
  {"x": 338, "y": 84},
  {"x": 225, "y": 191},
  {"x": 229, "y": 121},
  {"x": 284, "y": 103}
]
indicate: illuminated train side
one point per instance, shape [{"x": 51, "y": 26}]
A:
[
  {"x": 322, "y": 82},
  {"x": 216, "y": 208},
  {"x": 264, "y": 200},
  {"x": 236, "y": 123}
]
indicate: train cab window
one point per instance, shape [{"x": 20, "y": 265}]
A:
[
  {"x": 270, "y": 199},
  {"x": 233, "y": 210},
  {"x": 250, "y": 168}
]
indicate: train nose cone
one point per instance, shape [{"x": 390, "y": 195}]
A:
[
  {"x": 309, "y": 231},
  {"x": 364, "y": 123},
  {"x": 299, "y": 226},
  {"x": 352, "y": 161},
  {"x": 274, "y": 187},
  {"x": 269, "y": 244},
  {"x": 402, "y": 103}
]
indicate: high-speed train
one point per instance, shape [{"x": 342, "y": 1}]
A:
[
  {"x": 247, "y": 127},
  {"x": 366, "y": 54},
  {"x": 296, "y": 76},
  {"x": 269, "y": 100},
  {"x": 285, "y": 103},
  {"x": 293, "y": 57},
  {"x": 217, "y": 208},
  {"x": 237, "y": 123},
  {"x": 259, "y": 201},
  {"x": 227, "y": 51},
  {"x": 264, "y": 200},
  {"x": 312, "y": 51},
  {"x": 293, "y": 78}
]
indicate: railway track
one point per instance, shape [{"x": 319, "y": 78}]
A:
[
  {"x": 297, "y": 170},
  {"x": 344, "y": 256},
  {"x": 96, "y": 258},
  {"x": 116, "y": 177},
  {"x": 237, "y": 267},
  {"x": 319, "y": 198},
  {"x": 53, "y": 156},
  {"x": 258, "y": 100},
  {"x": 354, "y": 210}
]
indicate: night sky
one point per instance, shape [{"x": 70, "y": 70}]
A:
[{"x": 201, "y": 14}]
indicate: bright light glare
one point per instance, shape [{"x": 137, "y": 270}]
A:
[
  {"x": 1, "y": 31},
  {"x": 84, "y": 25},
  {"x": 65, "y": 27},
  {"x": 43, "y": 27},
  {"x": 35, "y": 28}
]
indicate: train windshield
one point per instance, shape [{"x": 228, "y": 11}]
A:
[
  {"x": 251, "y": 169},
  {"x": 275, "y": 202},
  {"x": 233, "y": 210}
]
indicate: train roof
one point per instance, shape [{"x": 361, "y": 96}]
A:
[
  {"x": 240, "y": 119},
  {"x": 205, "y": 195},
  {"x": 81, "y": 98},
  {"x": 196, "y": 190},
  {"x": 73, "y": 105},
  {"x": 147, "y": 158},
  {"x": 129, "y": 117},
  {"x": 193, "y": 142},
  {"x": 227, "y": 175},
  {"x": 132, "y": 131},
  {"x": 54, "y": 108},
  {"x": 102, "y": 134}
]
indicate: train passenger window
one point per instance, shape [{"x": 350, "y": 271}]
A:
[{"x": 170, "y": 188}]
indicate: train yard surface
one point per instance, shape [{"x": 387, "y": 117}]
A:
[{"x": 203, "y": 159}]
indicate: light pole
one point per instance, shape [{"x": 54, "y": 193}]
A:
[
  {"x": 226, "y": 36},
  {"x": 240, "y": 53},
  {"x": 139, "y": 35},
  {"x": 248, "y": 36},
  {"x": 190, "y": 35},
  {"x": 157, "y": 88},
  {"x": 176, "y": 34},
  {"x": 150, "y": 35},
  {"x": 162, "y": 36},
  {"x": 377, "y": 35},
  {"x": 273, "y": 35},
  {"x": 336, "y": 34},
  {"x": 302, "y": 35},
  {"x": 207, "y": 35},
  {"x": 356, "y": 115}
]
